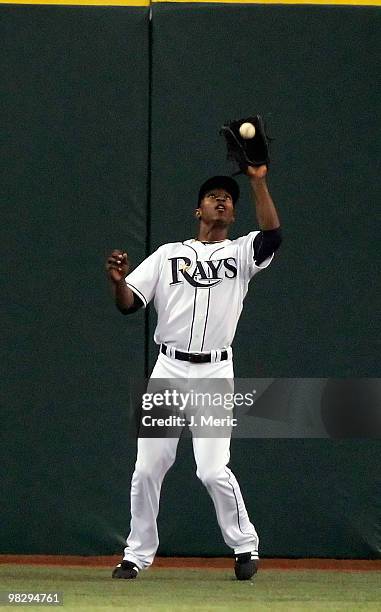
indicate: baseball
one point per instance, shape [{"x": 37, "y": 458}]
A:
[{"x": 247, "y": 130}]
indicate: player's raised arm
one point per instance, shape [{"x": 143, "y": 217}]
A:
[
  {"x": 117, "y": 267},
  {"x": 265, "y": 210},
  {"x": 270, "y": 238}
]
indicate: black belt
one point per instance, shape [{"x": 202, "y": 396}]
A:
[{"x": 193, "y": 357}]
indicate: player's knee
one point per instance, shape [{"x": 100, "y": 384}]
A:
[
  {"x": 144, "y": 471},
  {"x": 208, "y": 477},
  {"x": 153, "y": 470}
]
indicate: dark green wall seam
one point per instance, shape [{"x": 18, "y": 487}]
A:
[{"x": 149, "y": 177}]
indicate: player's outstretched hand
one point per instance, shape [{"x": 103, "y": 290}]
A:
[
  {"x": 256, "y": 172},
  {"x": 117, "y": 266}
]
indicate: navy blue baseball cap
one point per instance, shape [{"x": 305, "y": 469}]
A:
[{"x": 220, "y": 182}]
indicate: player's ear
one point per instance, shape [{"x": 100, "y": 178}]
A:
[{"x": 197, "y": 213}]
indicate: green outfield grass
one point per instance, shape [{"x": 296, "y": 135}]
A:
[{"x": 194, "y": 589}]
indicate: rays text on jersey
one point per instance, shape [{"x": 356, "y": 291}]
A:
[{"x": 205, "y": 273}]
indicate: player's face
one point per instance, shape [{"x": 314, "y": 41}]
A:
[{"x": 217, "y": 205}]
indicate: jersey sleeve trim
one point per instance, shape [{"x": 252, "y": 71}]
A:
[{"x": 138, "y": 293}]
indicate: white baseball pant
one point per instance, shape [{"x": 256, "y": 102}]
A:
[{"x": 156, "y": 455}]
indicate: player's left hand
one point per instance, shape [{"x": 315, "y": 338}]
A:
[{"x": 256, "y": 172}]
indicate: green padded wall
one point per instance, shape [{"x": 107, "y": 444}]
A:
[
  {"x": 85, "y": 129},
  {"x": 75, "y": 84},
  {"x": 311, "y": 71}
]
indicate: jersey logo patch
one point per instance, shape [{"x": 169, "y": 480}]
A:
[{"x": 205, "y": 273}]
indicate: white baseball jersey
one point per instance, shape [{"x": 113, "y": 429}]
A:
[{"x": 198, "y": 290}]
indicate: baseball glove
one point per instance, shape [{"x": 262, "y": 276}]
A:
[{"x": 246, "y": 151}]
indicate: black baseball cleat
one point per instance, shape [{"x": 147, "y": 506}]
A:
[
  {"x": 126, "y": 570},
  {"x": 245, "y": 566}
]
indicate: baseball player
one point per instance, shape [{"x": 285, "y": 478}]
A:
[{"x": 198, "y": 287}]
